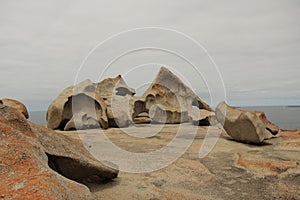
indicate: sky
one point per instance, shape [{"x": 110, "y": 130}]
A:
[{"x": 254, "y": 47}]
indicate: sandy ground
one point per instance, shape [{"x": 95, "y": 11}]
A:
[{"x": 232, "y": 170}]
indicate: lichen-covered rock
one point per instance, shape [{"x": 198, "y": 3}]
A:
[
  {"x": 243, "y": 125},
  {"x": 37, "y": 163},
  {"x": 17, "y": 105},
  {"x": 77, "y": 105},
  {"x": 169, "y": 95},
  {"x": 263, "y": 166}
]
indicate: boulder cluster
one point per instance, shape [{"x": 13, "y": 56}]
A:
[
  {"x": 111, "y": 103},
  {"x": 40, "y": 163}
]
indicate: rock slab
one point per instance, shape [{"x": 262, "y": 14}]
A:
[{"x": 38, "y": 163}]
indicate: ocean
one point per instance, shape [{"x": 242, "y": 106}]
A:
[{"x": 286, "y": 117}]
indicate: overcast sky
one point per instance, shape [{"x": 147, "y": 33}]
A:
[{"x": 255, "y": 44}]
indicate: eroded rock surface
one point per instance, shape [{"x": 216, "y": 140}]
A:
[
  {"x": 142, "y": 118},
  {"x": 245, "y": 126},
  {"x": 203, "y": 117},
  {"x": 38, "y": 163},
  {"x": 116, "y": 94},
  {"x": 271, "y": 128},
  {"x": 92, "y": 105},
  {"x": 232, "y": 170},
  {"x": 168, "y": 100},
  {"x": 77, "y": 107}
]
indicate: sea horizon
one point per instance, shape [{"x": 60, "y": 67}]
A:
[{"x": 285, "y": 116}]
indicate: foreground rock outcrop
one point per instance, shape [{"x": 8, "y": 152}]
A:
[
  {"x": 168, "y": 100},
  {"x": 38, "y": 163},
  {"x": 245, "y": 126},
  {"x": 15, "y": 104}
]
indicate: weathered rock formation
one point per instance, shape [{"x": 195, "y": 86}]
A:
[
  {"x": 78, "y": 107},
  {"x": 116, "y": 94},
  {"x": 203, "y": 117},
  {"x": 38, "y": 163},
  {"x": 15, "y": 104},
  {"x": 110, "y": 86},
  {"x": 110, "y": 103},
  {"x": 142, "y": 118},
  {"x": 245, "y": 126},
  {"x": 271, "y": 128},
  {"x": 91, "y": 105},
  {"x": 168, "y": 100}
]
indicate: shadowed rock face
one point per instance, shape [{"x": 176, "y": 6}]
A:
[
  {"x": 38, "y": 163},
  {"x": 17, "y": 105},
  {"x": 168, "y": 94},
  {"x": 84, "y": 110},
  {"x": 78, "y": 107},
  {"x": 245, "y": 126}
]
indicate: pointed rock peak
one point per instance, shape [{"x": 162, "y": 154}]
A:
[
  {"x": 166, "y": 81},
  {"x": 165, "y": 75},
  {"x": 169, "y": 80},
  {"x": 163, "y": 70}
]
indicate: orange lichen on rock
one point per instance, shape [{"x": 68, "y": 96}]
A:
[
  {"x": 258, "y": 165},
  {"x": 17, "y": 105},
  {"x": 25, "y": 154},
  {"x": 281, "y": 190},
  {"x": 292, "y": 144},
  {"x": 23, "y": 166},
  {"x": 290, "y": 136},
  {"x": 290, "y": 139}
]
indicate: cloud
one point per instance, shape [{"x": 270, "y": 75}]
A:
[{"x": 256, "y": 44}]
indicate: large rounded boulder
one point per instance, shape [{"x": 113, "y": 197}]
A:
[{"x": 245, "y": 125}]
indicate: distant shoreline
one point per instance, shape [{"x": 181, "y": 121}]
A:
[
  {"x": 293, "y": 106},
  {"x": 285, "y": 117}
]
